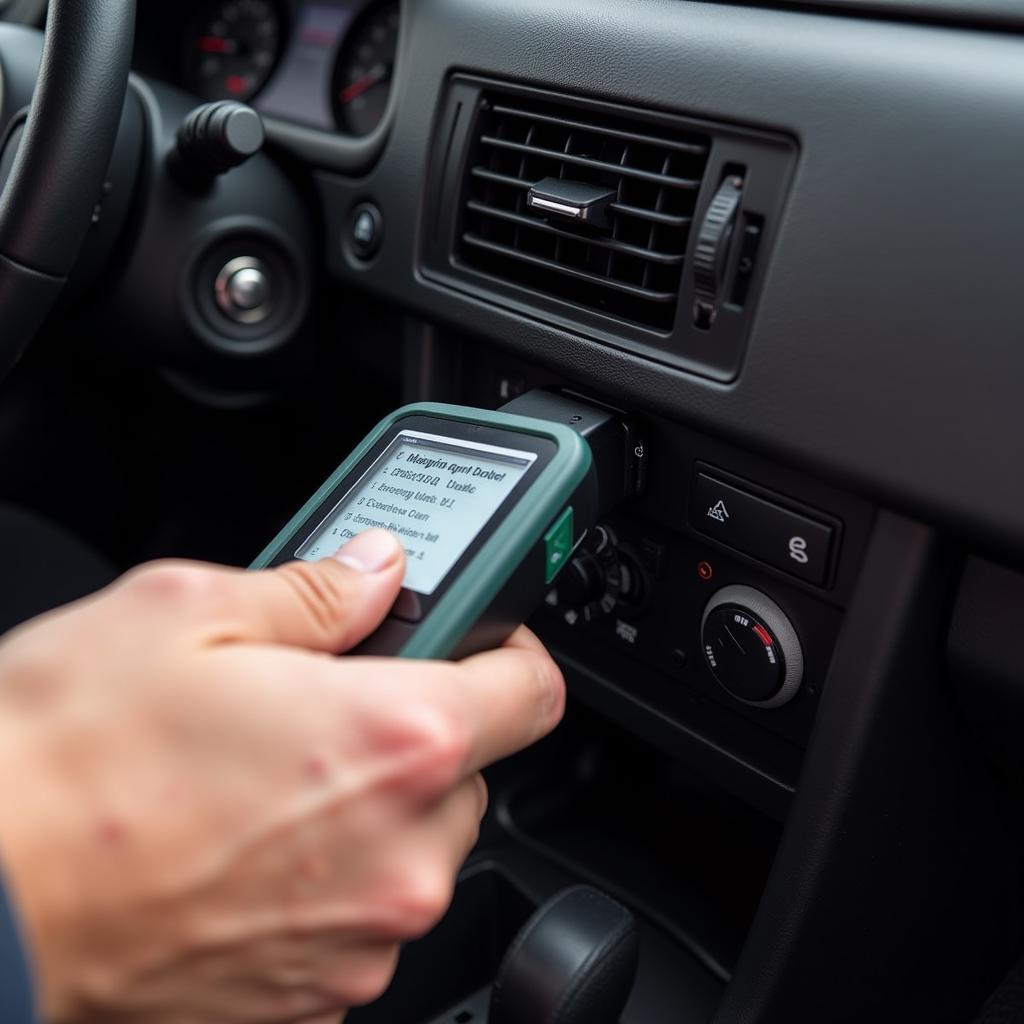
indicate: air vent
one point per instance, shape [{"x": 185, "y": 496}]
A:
[
  {"x": 629, "y": 268},
  {"x": 645, "y": 230}
]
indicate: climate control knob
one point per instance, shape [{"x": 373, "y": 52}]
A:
[
  {"x": 751, "y": 647},
  {"x": 582, "y": 582},
  {"x": 599, "y": 579}
]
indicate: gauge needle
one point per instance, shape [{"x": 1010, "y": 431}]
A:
[
  {"x": 379, "y": 74},
  {"x": 735, "y": 641},
  {"x": 217, "y": 44}
]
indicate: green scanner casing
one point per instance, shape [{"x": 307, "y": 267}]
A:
[{"x": 503, "y": 575}]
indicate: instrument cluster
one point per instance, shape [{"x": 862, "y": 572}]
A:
[{"x": 325, "y": 64}]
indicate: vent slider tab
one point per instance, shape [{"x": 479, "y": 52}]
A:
[{"x": 578, "y": 201}]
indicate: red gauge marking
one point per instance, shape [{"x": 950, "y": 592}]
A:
[
  {"x": 360, "y": 85},
  {"x": 217, "y": 44},
  {"x": 236, "y": 85},
  {"x": 766, "y": 637},
  {"x": 357, "y": 88}
]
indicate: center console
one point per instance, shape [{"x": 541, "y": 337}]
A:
[
  {"x": 695, "y": 625},
  {"x": 751, "y": 659},
  {"x": 702, "y": 614}
]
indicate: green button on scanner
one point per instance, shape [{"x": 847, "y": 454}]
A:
[{"x": 558, "y": 545}]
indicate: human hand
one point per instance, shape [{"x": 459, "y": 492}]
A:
[{"x": 205, "y": 817}]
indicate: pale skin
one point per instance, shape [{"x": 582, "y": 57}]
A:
[{"x": 208, "y": 818}]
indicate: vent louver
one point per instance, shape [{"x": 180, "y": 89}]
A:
[{"x": 632, "y": 268}]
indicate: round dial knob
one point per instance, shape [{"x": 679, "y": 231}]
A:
[
  {"x": 582, "y": 581},
  {"x": 751, "y": 647},
  {"x": 598, "y": 579}
]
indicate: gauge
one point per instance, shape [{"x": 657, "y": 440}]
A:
[
  {"x": 232, "y": 47},
  {"x": 751, "y": 647},
  {"x": 362, "y": 76}
]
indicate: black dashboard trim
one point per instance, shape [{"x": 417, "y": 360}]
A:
[{"x": 865, "y": 893}]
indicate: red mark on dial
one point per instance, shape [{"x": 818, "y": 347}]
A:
[
  {"x": 766, "y": 637},
  {"x": 236, "y": 84},
  {"x": 361, "y": 85},
  {"x": 357, "y": 88},
  {"x": 217, "y": 44}
]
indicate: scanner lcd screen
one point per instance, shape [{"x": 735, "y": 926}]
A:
[{"x": 436, "y": 493}]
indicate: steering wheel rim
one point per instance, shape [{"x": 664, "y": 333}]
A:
[{"x": 57, "y": 177}]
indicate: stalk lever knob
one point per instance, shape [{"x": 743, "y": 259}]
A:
[{"x": 212, "y": 140}]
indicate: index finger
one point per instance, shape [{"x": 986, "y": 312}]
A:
[
  {"x": 505, "y": 700},
  {"x": 489, "y": 706},
  {"x": 526, "y": 639}
]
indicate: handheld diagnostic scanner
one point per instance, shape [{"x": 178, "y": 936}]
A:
[{"x": 489, "y": 505}]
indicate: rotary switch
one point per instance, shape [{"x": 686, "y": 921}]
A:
[
  {"x": 600, "y": 578},
  {"x": 751, "y": 647}
]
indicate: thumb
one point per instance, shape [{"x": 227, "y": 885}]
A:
[{"x": 330, "y": 605}]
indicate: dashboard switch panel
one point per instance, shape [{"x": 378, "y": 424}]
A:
[{"x": 794, "y": 543}]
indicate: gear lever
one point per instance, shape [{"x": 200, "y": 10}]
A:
[{"x": 573, "y": 962}]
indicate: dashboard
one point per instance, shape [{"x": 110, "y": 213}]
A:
[{"x": 322, "y": 64}]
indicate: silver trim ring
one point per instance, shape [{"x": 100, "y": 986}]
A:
[{"x": 226, "y": 302}]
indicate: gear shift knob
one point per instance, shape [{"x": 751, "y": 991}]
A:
[{"x": 573, "y": 962}]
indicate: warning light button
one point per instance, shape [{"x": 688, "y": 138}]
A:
[{"x": 787, "y": 540}]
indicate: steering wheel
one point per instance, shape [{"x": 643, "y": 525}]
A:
[{"x": 63, "y": 150}]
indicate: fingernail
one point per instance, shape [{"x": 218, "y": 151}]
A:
[{"x": 370, "y": 551}]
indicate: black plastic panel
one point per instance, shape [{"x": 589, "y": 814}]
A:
[
  {"x": 987, "y": 663},
  {"x": 760, "y": 524},
  {"x": 893, "y": 891},
  {"x": 651, "y": 662},
  {"x": 641, "y": 665}
]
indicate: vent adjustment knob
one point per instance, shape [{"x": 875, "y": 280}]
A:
[{"x": 712, "y": 250}]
